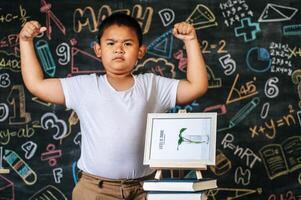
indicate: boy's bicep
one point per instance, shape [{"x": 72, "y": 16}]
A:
[
  {"x": 185, "y": 92},
  {"x": 51, "y": 91}
]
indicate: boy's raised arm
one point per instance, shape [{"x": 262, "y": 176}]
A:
[
  {"x": 196, "y": 83},
  {"x": 49, "y": 90}
]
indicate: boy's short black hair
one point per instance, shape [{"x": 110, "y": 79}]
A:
[{"x": 120, "y": 19}]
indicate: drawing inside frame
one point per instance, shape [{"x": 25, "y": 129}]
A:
[{"x": 180, "y": 140}]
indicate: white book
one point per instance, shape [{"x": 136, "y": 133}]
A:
[
  {"x": 187, "y": 185},
  {"x": 176, "y": 196}
]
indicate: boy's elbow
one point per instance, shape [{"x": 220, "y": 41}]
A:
[
  {"x": 34, "y": 87},
  {"x": 34, "y": 90},
  {"x": 202, "y": 89},
  {"x": 30, "y": 83},
  {"x": 30, "y": 87},
  {"x": 187, "y": 92}
]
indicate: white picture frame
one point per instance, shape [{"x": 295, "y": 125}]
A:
[{"x": 180, "y": 140}]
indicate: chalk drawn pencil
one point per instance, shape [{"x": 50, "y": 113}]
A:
[
  {"x": 46, "y": 57},
  {"x": 20, "y": 167},
  {"x": 241, "y": 114}
]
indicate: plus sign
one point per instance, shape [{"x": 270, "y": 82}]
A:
[{"x": 247, "y": 29}]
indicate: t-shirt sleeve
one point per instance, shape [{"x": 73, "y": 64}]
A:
[
  {"x": 167, "y": 92},
  {"x": 73, "y": 88}
]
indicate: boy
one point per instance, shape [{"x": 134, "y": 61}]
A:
[{"x": 113, "y": 108}]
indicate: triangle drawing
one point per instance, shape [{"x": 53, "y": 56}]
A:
[
  {"x": 162, "y": 46},
  {"x": 276, "y": 13}
]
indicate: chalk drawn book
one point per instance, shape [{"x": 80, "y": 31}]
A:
[{"x": 280, "y": 159}]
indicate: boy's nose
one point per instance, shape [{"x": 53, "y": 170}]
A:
[{"x": 119, "y": 50}]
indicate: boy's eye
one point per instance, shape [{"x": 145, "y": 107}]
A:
[
  {"x": 110, "y": 43},
  {"x": 128, "y": 44}
]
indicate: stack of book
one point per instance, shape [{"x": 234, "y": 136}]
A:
[{"x": 178, "y": 189}]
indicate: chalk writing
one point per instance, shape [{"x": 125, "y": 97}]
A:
[
  {"x": 269, "y": 128},
  {"x": 243, "y": 153}
]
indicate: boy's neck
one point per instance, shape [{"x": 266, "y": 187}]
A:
[{"x": 121, "y": 82}]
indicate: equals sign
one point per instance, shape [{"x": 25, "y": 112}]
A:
[{"x": 213, "y": 46}]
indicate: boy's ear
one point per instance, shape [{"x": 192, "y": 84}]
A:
[
  {"x": 97, "y": 49},
  {"x": 141, "y": 52}
]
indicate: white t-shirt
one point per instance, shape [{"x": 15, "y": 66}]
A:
[{"x": 113, "y": 122}]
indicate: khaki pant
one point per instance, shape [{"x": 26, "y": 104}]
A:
[{"x": 90, "y": 187}]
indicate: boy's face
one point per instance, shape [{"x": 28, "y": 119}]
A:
[{"x": 119, "y": 50}]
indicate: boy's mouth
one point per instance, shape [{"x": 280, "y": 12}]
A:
[{"x": 118, "y": 58}]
